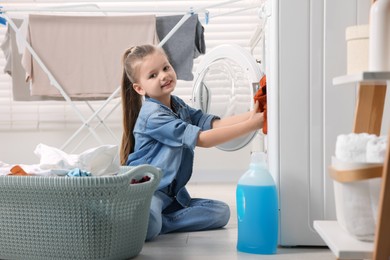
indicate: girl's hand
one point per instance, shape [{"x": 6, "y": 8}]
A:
[
  {"x": 227, "y": 129},
  {"x": 256, "y": 118},
  {"x": 256, "y": 107}
]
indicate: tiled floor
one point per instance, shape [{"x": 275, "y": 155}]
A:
[{"x": 218, "y": 244}]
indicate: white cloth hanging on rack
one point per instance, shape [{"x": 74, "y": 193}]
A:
[
  {"x": 83, "y": 52},
  {"x": 185, "y": 45},
  {"x": 13, "y": 67}
]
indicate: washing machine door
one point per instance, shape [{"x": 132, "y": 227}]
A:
[{"x": 226, "y": 80}]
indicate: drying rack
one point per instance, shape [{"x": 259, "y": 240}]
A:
[{"x": 91, "y": 8}]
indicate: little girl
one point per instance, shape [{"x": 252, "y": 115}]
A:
[{"x": 160, "y": 129}]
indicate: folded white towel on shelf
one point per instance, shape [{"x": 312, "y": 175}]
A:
[
  {"x": 352, "y": 147},
  {"x": 376, "y": 149}
]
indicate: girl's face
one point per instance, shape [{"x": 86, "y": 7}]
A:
[{"x": 156, "y": 78}]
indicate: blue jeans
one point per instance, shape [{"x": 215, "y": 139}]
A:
[{"x": 201, "y": 214}]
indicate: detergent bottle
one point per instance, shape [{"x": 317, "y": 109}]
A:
[{"x": 257, "y": 209}]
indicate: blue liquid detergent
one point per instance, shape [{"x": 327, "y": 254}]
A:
[
  {"x": 257, "y": 214},
  {"x": 257, "y": 210}
]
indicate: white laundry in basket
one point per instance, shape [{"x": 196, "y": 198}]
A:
[{"x": 101, "y": 160}]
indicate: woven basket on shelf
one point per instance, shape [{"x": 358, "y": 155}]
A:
[{"x": 75, "y": 218}]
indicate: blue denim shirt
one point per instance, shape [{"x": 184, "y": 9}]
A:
[{"x": 166, "y": 138}]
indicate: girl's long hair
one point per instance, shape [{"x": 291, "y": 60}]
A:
[{"x": 131, "y": 100}]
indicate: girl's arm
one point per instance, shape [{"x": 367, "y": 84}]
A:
[
  {"x": 231, "y": 128},
  {"x": 231, "y": 120},
  {"x": 234, "y": 119}
]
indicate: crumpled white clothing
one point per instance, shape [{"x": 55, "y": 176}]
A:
[
  {"x": 5, "y": 169},
  {"x": 101, "y": 160}
]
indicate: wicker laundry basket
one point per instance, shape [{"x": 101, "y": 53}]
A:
[{"x": 75, "y": 217}]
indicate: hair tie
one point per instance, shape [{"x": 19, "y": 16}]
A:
[{"x": 131, "y": 50}]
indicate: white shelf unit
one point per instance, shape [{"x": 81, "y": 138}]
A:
[
  {"x": 342, "y": 244},
  {"x": 378, "y": 78},
  {"x": 368, "y": 119}
]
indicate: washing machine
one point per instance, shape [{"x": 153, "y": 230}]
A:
[{"x": 226, "y": 80}]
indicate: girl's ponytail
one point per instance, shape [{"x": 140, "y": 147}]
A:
[
  {"x": 131, "y": 105},
  {"x": 131, "y": 100}
]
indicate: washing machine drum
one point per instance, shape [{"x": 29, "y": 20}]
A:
[{"x": 225, "y": 82}]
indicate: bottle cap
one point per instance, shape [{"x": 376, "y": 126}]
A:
[{"x": 259, "y": 158}]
